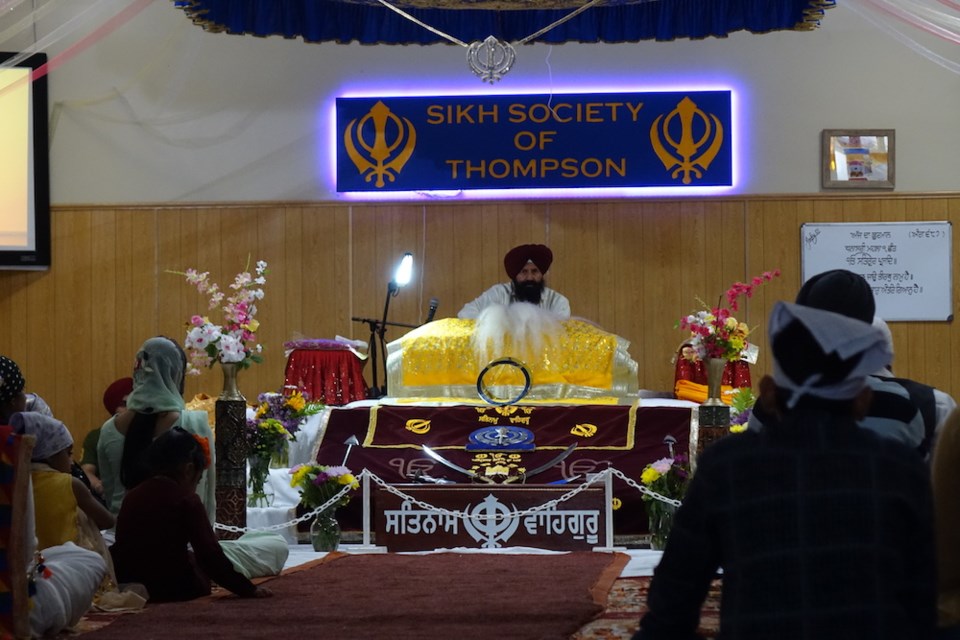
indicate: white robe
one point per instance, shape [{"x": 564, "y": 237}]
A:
[{"x": 503, "y": 294}]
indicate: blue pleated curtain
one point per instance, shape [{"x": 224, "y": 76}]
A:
[{"x": 612, "y": 21}]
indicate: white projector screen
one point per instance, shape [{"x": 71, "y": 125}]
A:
[{"x": 24, "y": 164}]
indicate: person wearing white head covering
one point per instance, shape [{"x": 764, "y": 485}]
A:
[
  {"x": 62, "y": 501},
  {"x": 823, "y": 530},
  {"x": 892, "y": 413},
  {"x": 66, "y": 512},
  {"x": 52, "y": 436},
  {"x": 849, "y": 352}
]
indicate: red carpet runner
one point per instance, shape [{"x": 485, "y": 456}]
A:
[{"x": 426, "y": 597}]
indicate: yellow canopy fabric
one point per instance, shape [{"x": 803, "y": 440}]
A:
[{"x": 440, "y": 359}]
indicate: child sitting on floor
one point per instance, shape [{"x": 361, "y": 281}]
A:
[
  {"x": 161, "y": 516},
  {"x": 67, "y": 514},
  {"x": 63, "y": 502}
]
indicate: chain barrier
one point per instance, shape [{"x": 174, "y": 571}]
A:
[
  {"x": 283, "y": 525},
  {"x": 597, "y": 478},
  {"x": 516, "y": 514},
  {"x": 642, "y": 489}
]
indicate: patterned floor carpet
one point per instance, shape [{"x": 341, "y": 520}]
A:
[{"x": 627, "y": 602}]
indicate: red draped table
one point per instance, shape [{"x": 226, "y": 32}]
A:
[{"x": 325, "y": 370}]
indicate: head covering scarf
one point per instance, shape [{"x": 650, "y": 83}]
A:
[
  {"x": 517, "y": 257},
  {"x": 51, "y": 434},
  {"x": 11, "y": 380},
  {"x": 36, "y": 404},
  {"x": 833, "y": 333},
  {"x": 839, "y": 291},
  {"x": 881, "y": 325},
  {"x": 157, "y": 375},
  {"x": 115, "y": 393}
]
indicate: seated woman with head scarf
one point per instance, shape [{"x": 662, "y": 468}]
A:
[{"x": 154, "y": 407}]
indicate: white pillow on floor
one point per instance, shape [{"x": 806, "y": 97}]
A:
[{"x": 63, "y": 597}]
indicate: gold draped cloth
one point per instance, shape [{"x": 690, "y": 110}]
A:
[{"x": 580, "y": 361}]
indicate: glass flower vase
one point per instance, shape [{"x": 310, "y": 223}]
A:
[
  {"x": 325, "y": 531},
  {"x": 280, "y": 458},
  {"x": 257, "y": 495},
  {"x": 660, "y": 515}
]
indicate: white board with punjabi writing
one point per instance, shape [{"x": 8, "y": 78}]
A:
[{"x": 906, "y": 263}]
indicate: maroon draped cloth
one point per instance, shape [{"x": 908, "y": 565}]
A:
[{"x": 626, "y": 438}]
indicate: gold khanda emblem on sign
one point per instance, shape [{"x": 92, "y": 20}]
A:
[
  {"x": 380, "y": 158},
  {"x": 419, "y": 426},
  {"x": 584, "y": 430},
  {"x": 687, "y": 159}
]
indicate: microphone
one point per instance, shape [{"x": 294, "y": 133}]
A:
[{"x": 432, "y": 310}]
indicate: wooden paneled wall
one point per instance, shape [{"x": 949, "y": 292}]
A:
[{"x": 632, "y": 266}]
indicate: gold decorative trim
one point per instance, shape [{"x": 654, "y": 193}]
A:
[{"x": 813, "y": 14}]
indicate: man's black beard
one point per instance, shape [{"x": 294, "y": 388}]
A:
[{"x": 528, "y": 291}]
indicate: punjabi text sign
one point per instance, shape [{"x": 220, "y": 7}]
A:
[
  {"x": 576, "y": 524},
  {"x": 908, "y": 264}
]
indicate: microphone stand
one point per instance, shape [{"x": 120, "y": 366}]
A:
[
  {"x": 374, "y": 324},
  {"x": 378, "y": 342},
  {"x": 392, "y": 290}
]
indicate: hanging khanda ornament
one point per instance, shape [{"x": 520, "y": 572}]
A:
[{"x": 491, "y": 59}]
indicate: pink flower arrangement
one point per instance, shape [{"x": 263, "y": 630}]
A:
[
  {"x": 715, "y": 332},
  {"x": 738, "y": 289},
  {"x": 236, "y": 339}
]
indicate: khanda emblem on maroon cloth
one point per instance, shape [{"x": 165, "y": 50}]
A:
[
  {"x": 419, "y": 426},
  {"x": 380, "y": 143},
  {"x": 687, "y": 155}
]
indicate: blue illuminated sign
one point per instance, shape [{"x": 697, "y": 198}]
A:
[{"x": 648, "y": 139}]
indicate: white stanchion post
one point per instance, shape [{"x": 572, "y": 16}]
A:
[
  {"x": 608, "y": 505},
  {"x": 608, "y": 513},
  {"x": 366, "y": 546},
  {"x": 366, "y": 508}
]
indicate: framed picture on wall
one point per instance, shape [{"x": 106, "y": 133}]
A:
[{"x": 857, "y": 159}]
